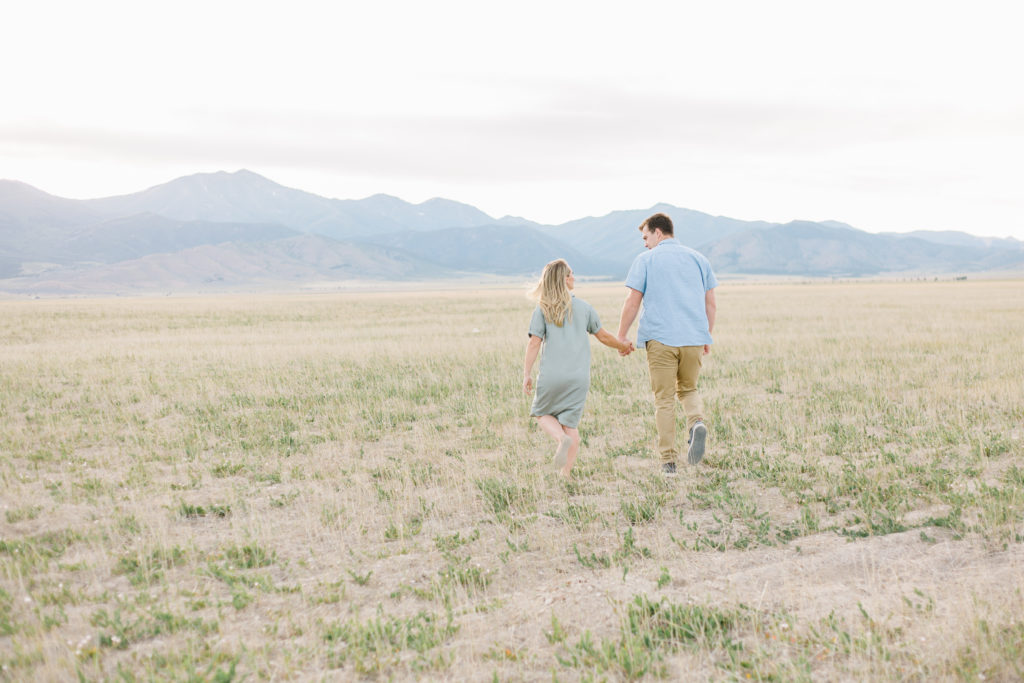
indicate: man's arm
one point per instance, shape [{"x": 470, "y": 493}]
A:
[
  {"x": 630, "y": 307},
  {"x": 711, "y": 308}
]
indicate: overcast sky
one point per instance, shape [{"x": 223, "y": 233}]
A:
[{"x": 885, "y": 115}]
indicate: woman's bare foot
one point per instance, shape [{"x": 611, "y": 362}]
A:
[{"x": 562, "y": 454}]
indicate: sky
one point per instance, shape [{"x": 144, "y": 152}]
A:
[{"x": 888, "y": 116}]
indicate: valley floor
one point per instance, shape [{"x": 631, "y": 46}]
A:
[{"x": 337, "y": 486}]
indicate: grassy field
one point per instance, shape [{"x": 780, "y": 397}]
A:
[{"x": 348, "y": 486}]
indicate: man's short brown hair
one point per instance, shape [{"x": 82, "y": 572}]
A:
[{"x": 658, "y": 221}]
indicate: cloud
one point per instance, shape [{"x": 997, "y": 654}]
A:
[{"x": 551, "y": 130}]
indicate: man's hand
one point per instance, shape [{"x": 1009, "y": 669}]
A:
[
  {"x": 630, "y": 347},
  {"x": 527, "y": 384},
  {"x": 707, "y": 349}
]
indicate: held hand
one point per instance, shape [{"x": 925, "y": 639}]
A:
[
  {"x": 527, "y": 385},
  {"x": 628, "y": 347},
  {"x": 707, "y": 349}
]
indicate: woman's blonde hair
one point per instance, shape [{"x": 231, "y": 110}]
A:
[{"x": 552, "y": 293}]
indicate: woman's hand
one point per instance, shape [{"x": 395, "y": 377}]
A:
[{"x": 527, "y": 384}]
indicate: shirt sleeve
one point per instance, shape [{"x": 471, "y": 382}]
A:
[
  {"x": 637, "y": 276},
  {"x": 593, "y": 321},
  {"x": 538, "y": 326}
]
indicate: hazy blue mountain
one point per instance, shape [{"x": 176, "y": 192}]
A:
[
  {"x": 233, "y": 228},
  {"x": 302, "y": 260},
  {"x": 384, "y": 214},
  {"x": 39, "y": 231},
  {"x": 246, "y": 197},
  {"x": 33, "y": 224},
  {"x": 241, "y": 197},
  {"x": 615, "y": 237},
  {"x": 23, "y": 207},
  {"x": 120, "y": 239},
  {"x": 960, "y": 239},
  {"x": 832, "y": 224},
  {"x": 518, "y": 220},
  {"x": 803, "y": 248},
  {"x": 497, "y": 249},
  {"x": 37, "y": 228}
]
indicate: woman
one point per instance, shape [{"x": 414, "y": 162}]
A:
[{"x": 560, "y": 327}]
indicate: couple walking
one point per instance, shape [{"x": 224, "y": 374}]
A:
[{"x": 676, "y": 286}]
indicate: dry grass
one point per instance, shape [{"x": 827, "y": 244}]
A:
[{"x": 340, "y": 486}]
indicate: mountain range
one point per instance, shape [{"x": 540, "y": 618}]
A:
[{"x": 236, "y": 231}]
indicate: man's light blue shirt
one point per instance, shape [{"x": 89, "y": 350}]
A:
[{"x": 673, "y": 279}]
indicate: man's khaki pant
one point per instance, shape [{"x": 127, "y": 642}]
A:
[{"x": 674, "y": 372}]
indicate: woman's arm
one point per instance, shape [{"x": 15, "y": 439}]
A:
[
  {"x": 606, "y": 338},
  {"x": 532, "y": 349}
]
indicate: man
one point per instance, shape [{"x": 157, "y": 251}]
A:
[{"x": 677, "y": 289}]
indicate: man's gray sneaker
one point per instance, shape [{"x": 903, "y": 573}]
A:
[
  {"x": 698, "y": 434},
  {"x": 668, "y": 468}
]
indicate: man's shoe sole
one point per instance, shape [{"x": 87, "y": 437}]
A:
[{"x": 697, "y": 438}]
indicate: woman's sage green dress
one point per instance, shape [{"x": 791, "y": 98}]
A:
[{"x": 564, "y": 377}]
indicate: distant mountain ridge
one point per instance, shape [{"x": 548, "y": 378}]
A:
[
  {"x": 615, "y": 235},
  {"x": 138, "y": 235},
  {"x": 245, "y": 197},
  {"x": 495, "y": 249},
  {"x": 815, "y": 249},
  {"x": 957, "y": 239},
  {"x": 296, "y": 260},
  {"x": 213, "y": 230}
]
